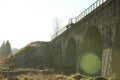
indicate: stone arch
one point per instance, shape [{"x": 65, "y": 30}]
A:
[
  {"x": 116, "y": 54},
  {"x": 70, "y": 54},
  {"x": 90, "y": 61}
]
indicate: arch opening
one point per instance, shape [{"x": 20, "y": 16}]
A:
[
  {"x": 70, "y": 55},
  {"x": 91, "y": 57}
]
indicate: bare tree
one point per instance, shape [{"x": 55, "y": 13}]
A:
[{"x": 56, "y": 26}]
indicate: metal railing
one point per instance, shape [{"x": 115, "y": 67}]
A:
[
  {"x": 59, "y": 32},
  {"x": 80, "y": 17},
  {"x": 89, "y": 9}
]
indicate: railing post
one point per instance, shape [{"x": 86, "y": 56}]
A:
[
  {"x": 99, "y": 2},
  {"x": 80, "y": 16},
  {"x": 88, "y": 10},
  {"x": 85, "y": 12},
  {"x": 96, "y": 4}
]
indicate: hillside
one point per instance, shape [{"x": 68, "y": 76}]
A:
[
  {"x": 33, "y": 55},
  {"x": 34, "y": 62}
]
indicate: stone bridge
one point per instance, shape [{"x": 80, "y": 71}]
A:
[{"x": 90, "y": 43}]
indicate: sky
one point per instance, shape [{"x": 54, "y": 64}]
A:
[{"x": 25, "y": 21}]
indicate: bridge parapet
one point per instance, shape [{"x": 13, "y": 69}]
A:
[
  {"x": 59, "y": 32},
  {"x": 80, "y": 16}
]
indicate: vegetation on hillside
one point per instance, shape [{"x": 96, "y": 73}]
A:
[{"x": 5, "y": 50}]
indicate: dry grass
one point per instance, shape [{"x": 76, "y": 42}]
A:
[
  {"x": 30, "y": 74},
  {"x": 35, "y": 74}
]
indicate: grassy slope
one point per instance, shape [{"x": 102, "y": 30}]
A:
[
  {"x": 35, "y": 74},
  {"x": 34, "y": 55}
]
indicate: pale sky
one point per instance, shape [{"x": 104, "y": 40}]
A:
[{"x": 25, "y": 21}]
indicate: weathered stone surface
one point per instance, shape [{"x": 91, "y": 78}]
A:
[{"x": 103, "y": 21}]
